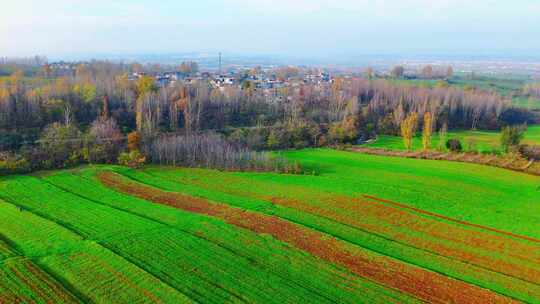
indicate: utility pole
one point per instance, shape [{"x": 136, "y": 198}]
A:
[{"x": 220, "y": 63}]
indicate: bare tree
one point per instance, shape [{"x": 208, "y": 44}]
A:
[
  {"x": 449, "y": 72},
  {"x": 212, "y": 151},
  {"x": 427, "y": 72},
  {"x": 398, "y": 71}
]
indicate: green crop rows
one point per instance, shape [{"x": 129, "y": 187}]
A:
[{"x": 94, "y": 244}]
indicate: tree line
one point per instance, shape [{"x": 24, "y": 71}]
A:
[{"x": 99, "y": 104}]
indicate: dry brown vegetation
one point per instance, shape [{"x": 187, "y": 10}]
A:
[{"x": 511, "y": 161}]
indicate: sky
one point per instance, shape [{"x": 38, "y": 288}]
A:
[{"x": 281, "y": 27}]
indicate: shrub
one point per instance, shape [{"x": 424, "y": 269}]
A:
[
  {"x": 471, "y": 144},
  {"x": 345, "y": 131},
  {"x": 133, "y": 159},
  {"x": 531, "y": 152},
  {"x": 511, "y": 136},
  {"x": 454, "y": 145},
  {"x": 103, "y": 142},
  {"x": 14, "y": 165},
  {"x": 60, "y": 143},
  {"x": 134, "y": 141}
]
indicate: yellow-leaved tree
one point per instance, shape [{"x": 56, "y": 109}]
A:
[
  {"x": 408, "y": 129},
  {"x": 427, "y": 131}
]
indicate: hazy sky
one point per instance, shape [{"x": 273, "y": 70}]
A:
[{"x": 287, "y": 27}]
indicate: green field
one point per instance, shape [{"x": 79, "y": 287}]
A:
[
  {"x": 481, "y": 141},
  {"x": 527, "y": 103},
  {"x": 361, "y": 229},
  {"x": 509, "y": 86},
  {"x": 503, "y": 85}
]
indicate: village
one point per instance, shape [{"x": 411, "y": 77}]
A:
[{"x": 263, "y": 79}]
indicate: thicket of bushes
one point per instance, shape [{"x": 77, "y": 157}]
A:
[
  {"x": 64, "y": 146},
  {"x": 297, "y": 135},
  {"x": 531, "y": 152},
  {"x": 213, "y": 151}
]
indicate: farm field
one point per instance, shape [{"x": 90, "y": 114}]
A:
[
  {"x": 360, "y": 229},
  {"x": 510, "y": 87},
  {"x": 502, "y": 85},
  {"x": 527, "y": 103},
  {"x": 482, "y": 141}
]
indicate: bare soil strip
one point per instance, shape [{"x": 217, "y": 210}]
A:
[
  {"x": 527, "y": 238},
  {"x": 494, "y": 252},
  {"x": 457, "y": 240},
  {"x": 418, "y": 282}
]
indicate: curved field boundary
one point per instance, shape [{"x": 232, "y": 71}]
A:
[
  {"x": 530, "y": 239},
  {"x": 433, "y": 236},
  {"x": 521, "y": 166},
  {"x": 486, "y": 251},
  {"x": 423, "y": 284},
  {"x": 502, "y": 264},
  {"x": 99, "y": 194}
]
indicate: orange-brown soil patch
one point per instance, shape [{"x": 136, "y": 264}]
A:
[
  {"x": 492, "y": 249},
  {"x": 494, "y": 252},
  {"x": 530, "y": 239},
  {"x": 423, "y": 284}
]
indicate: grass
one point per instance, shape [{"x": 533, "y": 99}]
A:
[
  {"x": 205, "y": 259},
  {"x": 91, "y": 271},
  {"x": 329, "y": 220},
  {"x": 532, "y": 104},
  {"x": 509, "y": 86},
  {"x": 424, "y": 184},
  {"x": 504, "y": 86},
  {"x": 479, "y": 194},
  {"x": 473, "y": 225},
  {"x": 22, "y": 282},
  {"x": 481, "y": 141}
]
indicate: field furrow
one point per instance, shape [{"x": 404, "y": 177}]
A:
[
  {"x": 505, "y": 255},
  {"x": 5, "y": 250},
  {"x": 277, "y": 264},
  {"x": 431, "y": 214},
  {"x": 360, "y": 229},
  {"x": 496, "y": 250},
  {"x": 24, "y": 282},
  {"x": 412, "y": 280},
  {"x": 201, "y": 269},
  {"x": 93, "y": 272},
  {"x": 450, "y": 252}
]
